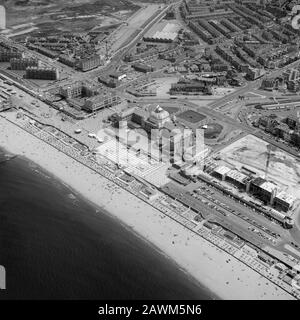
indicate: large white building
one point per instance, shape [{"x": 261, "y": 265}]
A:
[{"x": 164, "y": 31}]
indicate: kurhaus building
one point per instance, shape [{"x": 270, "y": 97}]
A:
[{"x": 169, "y": 136}]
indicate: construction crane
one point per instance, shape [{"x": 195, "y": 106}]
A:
[
  {"x": 107, "y": 49},
  {"x": 270, "y": 148}
]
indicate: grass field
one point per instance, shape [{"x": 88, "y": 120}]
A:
[
  {"x": 191, "y": 116},
  {"x": 67, "y": 15}
]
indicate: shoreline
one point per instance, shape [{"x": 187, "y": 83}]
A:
[
  {"x": 191, "y": 253},
  {"x": 100, "y": 209}
]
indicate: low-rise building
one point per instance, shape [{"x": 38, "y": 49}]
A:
[
  {"x": 268, "y": 84},
  {"x": 283, "y": 131},
  {"x": 233, "y": 176},
  {"x": 254, "y": 73},
  {"x": 293, "y": 85},
  {"x": 77, "y": 90},
  {"x": 89, "y": 63},
  {"x": 142, "y": 67},
  {"x": 23, "y": 63},
  {"x": 42, "y": 73},
  {"x": 221, "y": 172},
  {"x": 164, "y": 31},
  {"x": 118, "y": 76},
  {"x": 108, "y": 81},
  {"x": 264, "y": 190},
  {"x": 98, "y": 102},
  {"x": 283, "y": 201},
  {"x": 47, "y": 52},
  {"x": 192, "y": 87},
  {"x": 149, "y": 193},
  {"x": 67, "y": 60},
  {"x": 7, "y": 54},
  {"x": 293, "y": 121},
  {"x": 238, "y": 178}
]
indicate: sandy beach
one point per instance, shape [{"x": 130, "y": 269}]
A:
[{"x": 224, "y": 275}]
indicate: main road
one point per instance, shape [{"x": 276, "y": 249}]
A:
[
  {"x": 250, "y": 86},
  {"x": 228, "y": 120}
]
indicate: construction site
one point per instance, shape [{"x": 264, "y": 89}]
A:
[{"x": 263, "y": 160}]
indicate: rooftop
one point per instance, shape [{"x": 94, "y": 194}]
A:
[
  {"x": 258, "y": 181},
  {"x": 164, "y": 30},
  {"x": 127, "y": 112},
  {"x": 141, "y": 112},
  {"x": 285, "y": 197},
  {"x": 237, "y": 176},
  {"x": 269, "y": 186},
  {"x": 222, "y": 170}
]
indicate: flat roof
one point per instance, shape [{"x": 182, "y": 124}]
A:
[
  {"x": 141, "y": 112},
  {"x": 117, "y": 74},
  {"x": 222, "y": 170},
  {"x": 148, "y": 191},
  {"x": 127, "y": 112},
  {"x": 237, "y": 176},
  {"x": 258, "y": 181},
  {"x": 101, "y": 97},
  {"x": 165, "y": 35},
  {"x": 269, "y": 186},
  {"x": 163, "y": 30},
  {"x": 285, "y": 197}
]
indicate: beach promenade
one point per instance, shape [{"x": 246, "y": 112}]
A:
[{"x": 216, "y": 269}]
